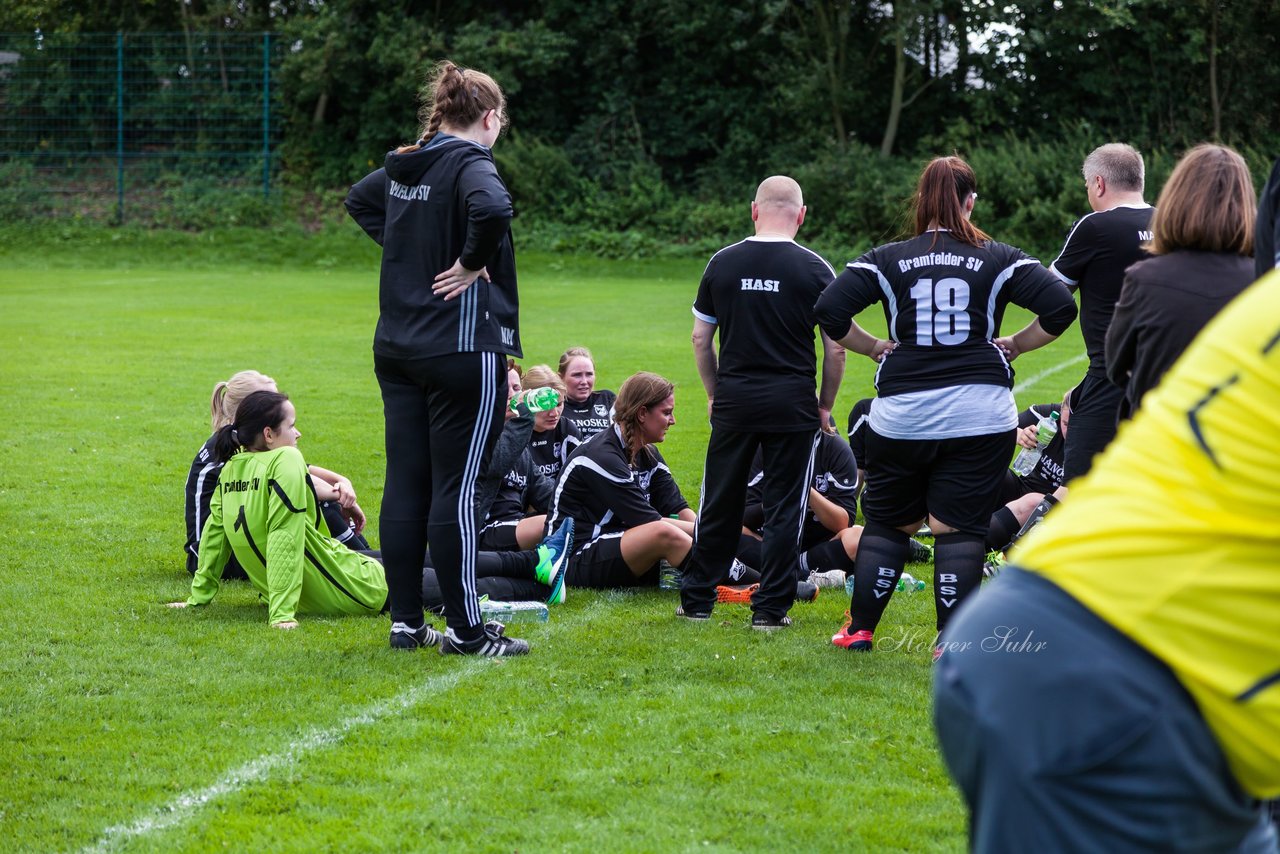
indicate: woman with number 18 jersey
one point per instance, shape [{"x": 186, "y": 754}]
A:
[{"x": 942, "y": 426}]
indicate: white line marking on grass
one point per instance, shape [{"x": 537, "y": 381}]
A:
[
  {"x": 185, "y": 805},
  {"x": 1048, "y": 372}
]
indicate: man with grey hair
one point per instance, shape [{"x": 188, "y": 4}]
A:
[
  {"x": 1099, "y": 249},
  {"x": 759, "y": 294}
]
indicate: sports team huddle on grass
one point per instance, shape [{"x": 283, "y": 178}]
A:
[{"x": 1117, "y": 687}]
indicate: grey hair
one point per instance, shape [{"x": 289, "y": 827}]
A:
[{"x": 1120, "y": 165}]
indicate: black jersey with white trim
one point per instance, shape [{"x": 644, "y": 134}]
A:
[
  {"x": 593, "y": 414},
  {"x": 858, "y": 418},
  {"x": 604, "y": 493},
  {"x": 944, "y": 301},
  {"x": 429, "y": 208},
  {"x": 522, "y": 487},
  {"x": 202, "y": 480},
  {"x": 1098, "y": 249},
  {"x": 760, "y": 294},
  {"x": 550, "y": 448}
]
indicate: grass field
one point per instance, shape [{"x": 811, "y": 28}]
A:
[{"x": 127, "y": 725}]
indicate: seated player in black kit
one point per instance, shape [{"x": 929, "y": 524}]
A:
[
  {"x": 829, "y": 538},
  {"x": 521, "y": 494},
  {"x": 628, "y": 511},
  {"x": 554, "y": 437},
  {"x": 586, "y": 406},
  {"x": 618, "y": 490}
]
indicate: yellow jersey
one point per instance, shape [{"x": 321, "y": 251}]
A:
[{"x": 1174, "y": 535}]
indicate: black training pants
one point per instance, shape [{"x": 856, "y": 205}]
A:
[
  {"x": 788, "y": 471},
  {"x": 443, "y": 416}
]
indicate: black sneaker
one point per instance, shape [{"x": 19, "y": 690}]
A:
[
  {"x": 696, "y": 615},
  {"x": 765, "y": 623},
  {"x": 806, "y": 591},
  {"x": 919, "y": 552},
  {"x": 492, "y": 644},
  {"x": 404, "y": 637}
]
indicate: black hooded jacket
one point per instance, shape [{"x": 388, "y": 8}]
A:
[{"x": 427, "y": 209}]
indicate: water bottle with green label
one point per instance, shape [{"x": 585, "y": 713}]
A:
[
  {"x": 538, "y": 399},
  {"x": 908, "y": 584},
  {"x": 1025, "y": 462}
]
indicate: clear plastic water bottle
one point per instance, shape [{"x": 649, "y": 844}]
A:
[
  {"x": 909, "y": 584},
  {"x": 668, "y": 576},
  {"x": 538, "y": 400},
  {"x": 848, "y": 584},
  {"x": 513, "y": 612},
  {"x": 1025, "y": 462}
]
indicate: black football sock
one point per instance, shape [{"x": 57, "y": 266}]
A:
[
  {"x": 507, "y": 564},
  {"x": 827, "y": 556},
  {"x": 882, "y": 553},
  {"x": 1003, "y": 527},
  {"x": 749, "y": 551},
  {"x": 957, "y": 572},
  {"x": 1046, "y": 504}
]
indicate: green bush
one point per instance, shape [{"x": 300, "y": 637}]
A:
[
  {"x": 25, "y": 195},
  {"x": 1029, "y": 194}
]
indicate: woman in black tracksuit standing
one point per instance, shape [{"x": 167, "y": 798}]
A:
[{"x": 448, "y": 319}]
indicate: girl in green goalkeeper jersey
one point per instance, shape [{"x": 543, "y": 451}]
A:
[{"x": 266, "y": 513}]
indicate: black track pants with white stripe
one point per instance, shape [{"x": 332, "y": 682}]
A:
[
  {"x": 788, "y": 470},
  {"x": 443, "y": 416}
]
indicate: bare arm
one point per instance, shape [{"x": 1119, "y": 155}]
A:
[
  {"x": 832, "y": 516},
  {"x": 331, "y": 486},
  {"x": 1030, "y": 337},
  {"x": 832, "y": 374},
  {"x": 861, "y": 341},
  {"x": 704, "y": 355}
]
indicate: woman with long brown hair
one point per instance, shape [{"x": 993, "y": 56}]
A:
[
  {"x": 618, "y": 490},
  {"x": 942, "y": 426},
  {"x": 1202, "y": 243},
  {"x": 448, "y": 321}
]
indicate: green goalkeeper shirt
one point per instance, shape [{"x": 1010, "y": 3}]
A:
[{"x": 265, "y": 512}]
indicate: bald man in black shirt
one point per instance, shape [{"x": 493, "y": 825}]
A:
[{"x": 759, "y": 294}]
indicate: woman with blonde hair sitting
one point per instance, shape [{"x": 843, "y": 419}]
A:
[{"x": 342, "y": 514}]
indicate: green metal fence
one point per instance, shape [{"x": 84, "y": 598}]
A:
[{"x": 121, "y": 125}]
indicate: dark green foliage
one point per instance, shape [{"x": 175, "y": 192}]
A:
[{"x": 642, "y": 127}]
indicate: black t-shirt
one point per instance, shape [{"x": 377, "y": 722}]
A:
[
  {"x": 1099, "y": 248},
  {"x": 858, "y": 417},
  {"x": 943, "y": 301},
  {"x": 604, "y": 493},
  {"x": 522, "y": 487},
  {"x": 760, "y": 294},
  {"x": 592, "y": 415},
  {"x": 550, "y": 448},
  {"x": 835, "y": 477}
]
